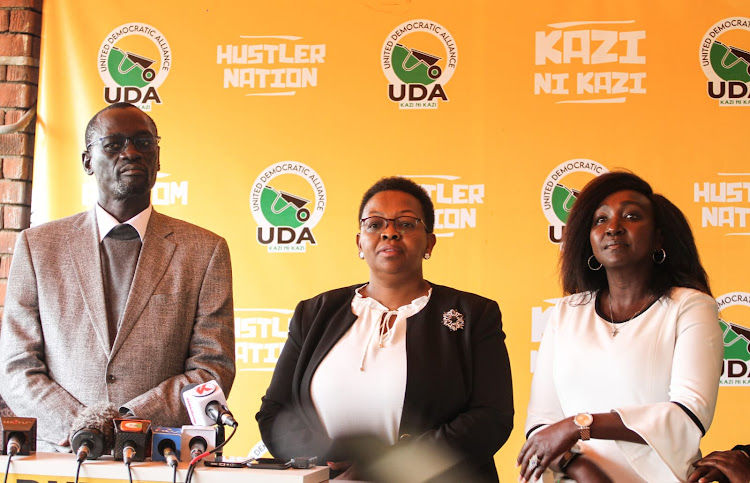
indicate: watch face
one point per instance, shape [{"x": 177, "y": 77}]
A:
[{"x": 583, "y": 419}]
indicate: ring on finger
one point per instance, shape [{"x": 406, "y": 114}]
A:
[{"x": 534, "y": 462}]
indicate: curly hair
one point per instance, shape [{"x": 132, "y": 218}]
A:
[
  {"x": 682, "y": 266},
  {"x": 405, "y": 185}
]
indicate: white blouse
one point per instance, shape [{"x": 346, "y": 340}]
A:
[
  {"x": 359, "y": 386},
  {"x": 671, "y": 352}
]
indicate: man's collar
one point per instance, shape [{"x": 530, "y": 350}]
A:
[{"x": 106, "y": 222}]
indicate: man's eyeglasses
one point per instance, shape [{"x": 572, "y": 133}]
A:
[
  {"x": 375, "y": 225},
  {"x": 115, "y": 144}
]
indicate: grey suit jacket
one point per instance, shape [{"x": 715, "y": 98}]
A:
[{"x": 177, "y": 327}]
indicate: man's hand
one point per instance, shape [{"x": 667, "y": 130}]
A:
[
  {"x": 725, "y": 466},
  {"x": 98, "y": 417}
]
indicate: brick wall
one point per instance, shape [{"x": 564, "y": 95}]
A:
[{"x": 20, "y": 38}]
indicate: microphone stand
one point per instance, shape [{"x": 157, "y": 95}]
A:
[{"x": 220, "y": 434}]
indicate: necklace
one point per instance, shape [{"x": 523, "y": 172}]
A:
[{"x": 615, "y": 329}]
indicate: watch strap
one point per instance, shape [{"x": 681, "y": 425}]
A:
[{"x": 584, "y": 427}]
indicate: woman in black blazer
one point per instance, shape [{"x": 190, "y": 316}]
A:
[{"x": 399, "y": 358}]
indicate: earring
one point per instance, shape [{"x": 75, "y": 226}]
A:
[
  {"x": 589, "y": 263},
  {"x": 362, "y": 255},
  {"x": 660, "y": 260},
  {"x": 427, "y": 256}
]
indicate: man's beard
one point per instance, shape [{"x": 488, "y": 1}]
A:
[{"x": 125, "y": 189}]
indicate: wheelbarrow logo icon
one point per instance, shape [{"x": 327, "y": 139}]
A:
[
  {"x": 736, "y": 341},
  {"x": 563, "y": 199},
  {"x": 730, "y": 63},
  {"x": 284, "y": 209},
  {"x": 736, "y": 370},
  {"x": 415, "y": 67},
  {"x": 130, "y": 69}
]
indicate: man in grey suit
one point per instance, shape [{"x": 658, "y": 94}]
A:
[{"x": 94, "y": 317}]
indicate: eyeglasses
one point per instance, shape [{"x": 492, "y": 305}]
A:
[
  {"x": 375, "y": 225},
  {"x": 115, "y": 144}
]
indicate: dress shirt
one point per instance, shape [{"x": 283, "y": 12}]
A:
[
  {"x": 106, "y": 222},
  {"x": 359, "y": 386}
]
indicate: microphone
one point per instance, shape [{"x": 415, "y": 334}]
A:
[
  {"x": 92, "y": 431},
  {"x": 166, "y": 444},
  {"x": 206, "y": 405},
  {"x": 198, "y": 439},
  {"x": 132, "y": 436},
  {"x": 19, "y": 436}
]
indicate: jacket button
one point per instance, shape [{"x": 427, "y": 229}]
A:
[{"x": 110, "y": 379}]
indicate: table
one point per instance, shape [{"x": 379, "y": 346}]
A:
[{"x": 59, "y": 467}]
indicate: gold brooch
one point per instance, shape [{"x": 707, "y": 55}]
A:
[{"x": 453, "y": 319}]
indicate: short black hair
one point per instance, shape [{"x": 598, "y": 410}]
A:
[
  {"x": 405, "y": 185},
  {"x": 92, "y": 125},
  {"x": 682, "y": 266}
]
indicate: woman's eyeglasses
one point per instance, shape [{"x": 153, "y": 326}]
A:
[{"x": 375, "y": 225}]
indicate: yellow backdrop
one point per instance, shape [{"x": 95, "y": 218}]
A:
[{"x": 276, "y": 116}]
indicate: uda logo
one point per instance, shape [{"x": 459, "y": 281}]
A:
[
  {"x": 418, "y": 58},
  {"x": 561, "y": 189},
  {"x": 287, "y": 201},
  {"x": 725, "y": 58},
  {"x": 736, "y": 371},
  {"x": 133, "y": 61}
]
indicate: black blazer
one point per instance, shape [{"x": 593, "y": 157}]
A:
[{"x": 458, "y": 383}]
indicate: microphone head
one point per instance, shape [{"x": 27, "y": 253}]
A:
[
  {"x": 201, "y": 401},
  {"x": 162, "y": 438},
  {"x": 198, "y": 398},
  {"x": 93, "y": 440},
  {"x": 190, "y": 434},
  {"x": 22, "y": 431},
  {"x": 221, "y": 414},
  {"x": 92, "y": 421},
  {"x": 134, "y": 433}
]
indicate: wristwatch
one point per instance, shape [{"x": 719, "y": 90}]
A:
[{"x": 583, "y": 421}]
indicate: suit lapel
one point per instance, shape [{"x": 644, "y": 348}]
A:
[
  {"x": 417, "y": 353},
  {"x": 156, "y": 254},
  {"x": 83, "y": 247}
]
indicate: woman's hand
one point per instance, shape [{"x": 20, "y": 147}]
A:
[
  {"x": 732, "y": 466},
  {"x": 546, "y": 448}
]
